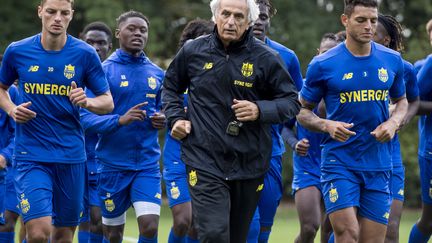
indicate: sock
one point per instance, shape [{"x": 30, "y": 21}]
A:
[
  {"x": 331, "y": 238},
  {"x": 96, "y": 238},
  {"x": 190, "y": 240},
  {"x": 7, "y": 237},
  {"x": 24, "y": 241},
  {"x": 254, "y": 229},
  {"x": 264, "y": 236},
  {"x": 143, "y": 239},
  {"x": 105, "y": 240},
  {"x": 83, "y": 236},
  {"x": 172, "y": 238},
  {"x": 416, "y": 236}
]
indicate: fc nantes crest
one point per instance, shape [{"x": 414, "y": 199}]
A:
[
  {"x": 247, "y": 69},
  {"x": 152, "y": 83},
  {"x": 69, "y": 71},
  {"x": 24, "y": 204},
  {"x": 175, "y": 192},
  {"x": 333, "y": 195},
  {"x": 383, "y": 75},
  {"x": 193, "y": 178},
  {"x": 109, "y": 205}
]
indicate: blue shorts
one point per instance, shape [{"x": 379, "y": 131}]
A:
[
  {"x": 11, "y": 199},
  {"x": 304, "y": 179},
  {"x": 2, "y": 197},
  {"x": 174, "y": 175},
  {"x": 119, "y": 189},
  {"x": 425, "y": 166},
  {"x": 397, "y": 183},
  {"x": 271, "y": 193},
  {"x": 50, "y": 189},
  {"x": 91, "y": 197},
  {"x": 369, "y": 191}
]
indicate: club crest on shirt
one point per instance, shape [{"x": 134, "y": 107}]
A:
[
  {"x": 174, "y": 191},
  {"x": 69, "y": 71},
  {"x": 383, "y": 75},
  {"x": 152, "y": 83},
  {"x": 24, "y": 204},
  {"x": 247, "y": 69},
  {"x": 333, "y": 194},
  {"x": 109, "y": 205},
  {"x": 193, "y": 178}
]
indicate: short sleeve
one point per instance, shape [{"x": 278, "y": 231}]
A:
[{"x": 314, "y": 85}]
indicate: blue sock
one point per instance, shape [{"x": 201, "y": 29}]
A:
[
  {"x": 416, "y": 236},
  {"x": 96, "y": 238},
  {"x": 105, "y": 240},
  {"x": 7, "y": 237},
  {"x": 24, "y": 241},
  {"x": 143, "y": 239},
  {"x": 254, "y": 230},
  {"x": 83, "y": 236},
  {"x": 190, "y": 240},
  {"x": 264, "y": 236},
  {"x": 172, "y": 238},
  {"x": 331, "y": 238}
]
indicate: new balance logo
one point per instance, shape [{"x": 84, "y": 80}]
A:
[{"x": 347, "y": 76}]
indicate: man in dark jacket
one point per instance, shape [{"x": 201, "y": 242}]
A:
[{"x": 237, "y": 88}]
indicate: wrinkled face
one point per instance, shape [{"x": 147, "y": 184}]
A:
[
  {"x": 326, "y": 45},
  {"x": 56, "y": 16},
  {"x": 133, "y": 35},
  {"x": 262, "y": 24},
  {"x": 361, "y": 25},
  {"x": 232, "y": 20},
  {"x": 100, "y": 41},
  {"x": 381, "y": 36}
]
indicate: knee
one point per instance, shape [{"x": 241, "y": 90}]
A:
[
  {"x": 37, "y": 235},
  {"x": 114, "y": 236},
  {"x": 309, "y": 229},
  {"x": 96, "y": 225},
  {"x": 348, "y": 233},
  {"x": 150, "y": 229},
  {"x": 181, "y": 225}
]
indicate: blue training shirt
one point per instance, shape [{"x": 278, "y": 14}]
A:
[
  {"x": 412, "y": 93},
  {"x": 7, "y": 130},
  {"x": 132, "y": 80},
  {"x": 44, "y": 77},
  {"x": 293, "y": 66},
  {"x": 424, "y": 78},
  {"x": 356, "y": 90}
]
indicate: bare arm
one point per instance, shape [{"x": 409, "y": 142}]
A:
[
  {"x": 101, "y": 104},
  {"x": 20, "y": 113},
  {"x": 413, "y": 107}
]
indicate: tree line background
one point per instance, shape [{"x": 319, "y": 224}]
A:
[{"x": 298, "y": 24}]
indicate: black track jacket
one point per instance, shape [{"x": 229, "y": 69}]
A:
[{"x": 214, "y": 76}]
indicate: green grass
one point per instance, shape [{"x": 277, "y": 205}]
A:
[{"x": 285, "y": 228}]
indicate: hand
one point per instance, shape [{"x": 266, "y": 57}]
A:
[
  {"x": 133, "y": 114},
  {"x": 181, "y": 129},
  {"x": 385, "y": 131},
  {"x": 3, "y": 162},
  {"x": 339, "y": 131},
  {"x": 21, "y": 113},
  {"x": 245, "y": 110},
  {"x": 302, "y": 147},
  {"x": 158, "y": 120},
  {"x": 77, "y": 96}
]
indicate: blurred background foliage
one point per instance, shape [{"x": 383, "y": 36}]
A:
[{"x": 298, "y": 24}]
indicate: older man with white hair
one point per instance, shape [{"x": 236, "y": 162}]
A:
[{"x": 237, "y": 88}]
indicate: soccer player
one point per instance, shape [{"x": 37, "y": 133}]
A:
[
  {"x": 52, "y": 68},
  {"x": 99, "y": 36},
  {"x": 422, "y": 229},
  {"x": 128, "y": 150},
  {"x": 418, "y": 64},
  {"x": 261, "y": 224},
  {"x": 174, "y": 169},
  {"x": 389, "y": 33},
  {"x": 356, "y": 154}
]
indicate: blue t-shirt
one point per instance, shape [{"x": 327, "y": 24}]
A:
[
  {"x": 293, "y": 66},
  {"x": 356, "y": 90},
  {"x": 44, "y": 77},
  {"x": 424, "y": 78},
  {"x": 7, "y": 131},
  {"x": 419, "y": 64},
  {"x": 412, "y": 94}
]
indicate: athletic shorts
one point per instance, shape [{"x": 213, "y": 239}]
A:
[
  {"x": 174, "y": 175},
  {"x": 271, "y": 193},
  {"x": 11, "y": 199},
  {"x": 304, "y": 179},
  {"x": 397, "y": 183},
  {"x": 50, "y": 189},
  {"x": 425, "y": 166},
  {"x": 91, "y": 197},
  {"x": 119, "y": 189},
  {"x": 366, "y": 190}
]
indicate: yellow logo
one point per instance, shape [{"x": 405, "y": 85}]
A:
[
  {"x": 152, "y": 83},
  {"x": 386, "y": 215},
  {"x": 333, "y": 195},
  {"x": 124, "y": 83},
  {"x": 383, "y": 75},
  {"x": 158, "y": 196},
  {"x": 193, "y": 178},
  {"x": 260, "y": 187},
  {"x": 348, "y": 76},
  {"x": 401, "y": 192},
  {"x": 69, "y": 71},
  {"x": 34, "y": 68},
  {"x": 208, "y": 65},
  {"x": 24, "y": 205},
  {"x": 247, "y": 69},
  {"x": 109, "y": 205},
  {"x": 175, "y": 192}
]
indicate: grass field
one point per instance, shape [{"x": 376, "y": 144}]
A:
[{"x": 285, "y": 228}]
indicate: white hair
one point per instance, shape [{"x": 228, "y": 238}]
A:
[{"x": 253, "y": 10}]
